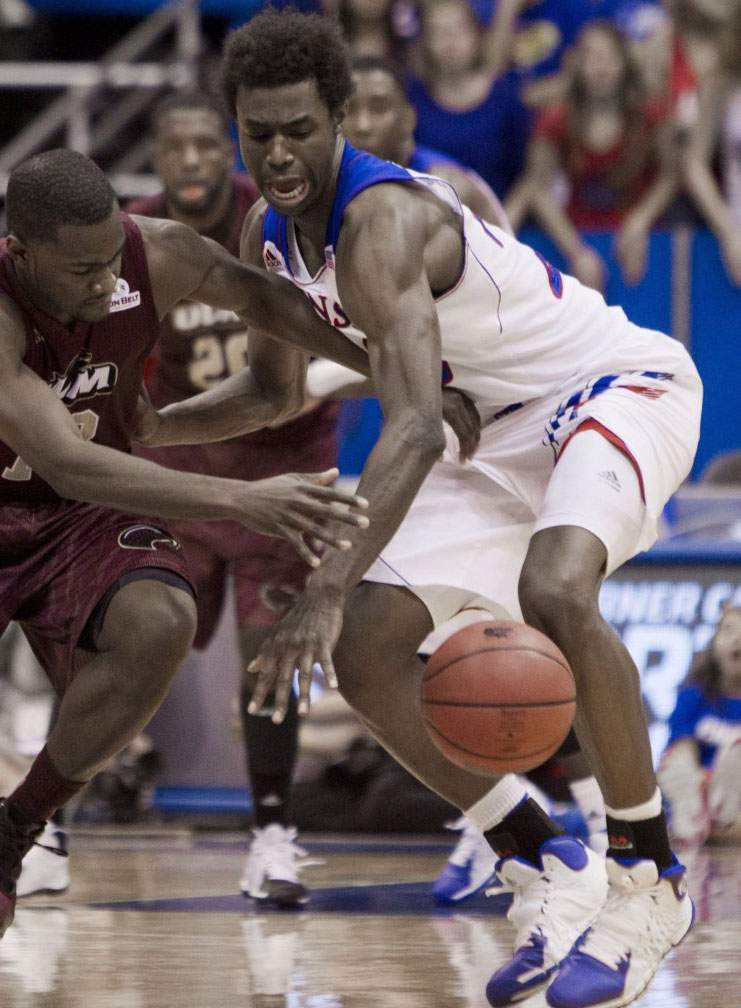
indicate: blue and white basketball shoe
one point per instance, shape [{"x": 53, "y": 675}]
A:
[
  {"x": 470, "y": 867},
  {"x": 644, "y": 916},
  {"x": 554, "y": 902}
]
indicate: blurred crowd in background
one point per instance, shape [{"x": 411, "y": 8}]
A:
[{"x": 617, "y": 115}]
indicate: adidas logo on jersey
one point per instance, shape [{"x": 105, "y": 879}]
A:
[
  {"x": 272, "y": 257},
  {"x": 609, "y": 476},
  {"x": 123, "y": 298}
]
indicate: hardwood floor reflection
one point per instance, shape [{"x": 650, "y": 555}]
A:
[{"x": 153, "y": 919}]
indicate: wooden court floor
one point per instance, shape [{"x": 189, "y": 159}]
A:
[{"x": 154, "y": 919}]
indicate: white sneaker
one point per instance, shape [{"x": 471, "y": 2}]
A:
[
  {"x": 553, "y": 904},
  {"x": 645, "y": 915},
  {"x": 470, "y": 867},
  {"x": 724, "y": 789},
  {"x": 271, "y": 871},
  {"x": 45, "y": 868},
  {"x": 682, "y": 782}
]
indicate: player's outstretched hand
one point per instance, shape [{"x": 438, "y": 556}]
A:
[
  {"x": 460, "y": 412},
  {"x": 306, "y": 636},
  {"x": 301, "y": 507}
]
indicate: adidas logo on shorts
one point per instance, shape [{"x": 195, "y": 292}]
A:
[{"x": 610, "y": 477}]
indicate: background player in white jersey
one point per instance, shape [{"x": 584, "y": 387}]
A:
[{"x": 396, "y": 265}]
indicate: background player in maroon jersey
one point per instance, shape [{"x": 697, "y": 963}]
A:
[
  {"x": 82, "y": 292},
  {"x": 200, "y": 346}
]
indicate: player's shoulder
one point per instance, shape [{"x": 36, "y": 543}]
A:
[
  {"x": 12, "y": 326},
  {"x": 158, "y": 232}
]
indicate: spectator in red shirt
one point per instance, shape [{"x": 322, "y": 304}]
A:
[{"x": 612, "y": 145}]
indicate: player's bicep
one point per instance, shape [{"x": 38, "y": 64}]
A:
[
  {"x": 33, "y": 421},
  {"x": 384, "y": 286}
]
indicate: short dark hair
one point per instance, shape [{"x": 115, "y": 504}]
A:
[
  {"x": 275, "y": 48},
  {"x": 176, "y": 100},
  {"x": 370, "y": 62},
  {"x": 55, "y": 188}
]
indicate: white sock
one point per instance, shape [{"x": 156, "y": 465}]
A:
[
  {"x": 648, "y": 810},
  {"x": 589, "y": 801},
  {"x": 505, "y": 796}
]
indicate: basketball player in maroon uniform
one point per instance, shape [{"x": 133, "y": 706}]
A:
[
  {"x": 102, "y": 592},
  {"x": 198, "y": 347}
]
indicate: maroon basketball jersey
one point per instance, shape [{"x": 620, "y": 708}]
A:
[
  {"x": 200, "y": 346},
  {"x": 95, "y": 368}
]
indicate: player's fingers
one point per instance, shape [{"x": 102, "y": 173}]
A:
[
  {"x": 337, "y": 495},
  {"x": 315, "y": 530},
  {"x": 283, "y": 687},
  {"x": 265, "y": 676},
  {"x": 296, "y": 540},
  {"x": 324, "y": 478},
  {"x": 328, "y": 669},
  {"x": 305, "y": 676}
]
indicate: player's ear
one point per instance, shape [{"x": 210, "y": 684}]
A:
[
  {"x": 339, "y": 115},
  {"x": 16, "y": 247}
]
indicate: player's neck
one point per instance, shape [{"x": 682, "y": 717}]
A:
[{"x": 311, "y": 227}]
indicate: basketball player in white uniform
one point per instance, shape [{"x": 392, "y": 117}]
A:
[{"x": 534, "y": 520}]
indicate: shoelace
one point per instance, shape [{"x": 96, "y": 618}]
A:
[
  {"x": 619, "y": 927},
  {"x": 547, "y": 920},
  {"x": 284, "y": 858}
]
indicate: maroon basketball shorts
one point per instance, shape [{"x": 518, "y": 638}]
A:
[
  {"x": 59, "y": 560},
  {"x": 268, "y": 573}
]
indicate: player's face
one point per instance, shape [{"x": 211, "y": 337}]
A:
[
  {"x": 193, "y": 157},
  {"x": 287, "y": 137},
  {"x": 74, "y": 277},
  {"x": 727, "y": 650},
  {"x": 379, "y": 119}
]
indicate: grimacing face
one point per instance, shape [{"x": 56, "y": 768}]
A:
[
  {"x": 379, "y": 119},
  {"x": 193, "y": 157},
  {"x": 73, "y": 277},
  {"x": 287, "y": 139}
]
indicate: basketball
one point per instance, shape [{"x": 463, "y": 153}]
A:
[{"x": 498, "y": 697}]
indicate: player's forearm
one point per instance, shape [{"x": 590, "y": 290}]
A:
[
  {"x": 395, "y": 470},
  {"x": 238, "y": 405},
  {"x": 108, "y": 478}
]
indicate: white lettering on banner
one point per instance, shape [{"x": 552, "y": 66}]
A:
[{"x": 664, "y": 623}]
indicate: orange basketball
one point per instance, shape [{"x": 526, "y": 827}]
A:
[{"x": 498, "y": 697}]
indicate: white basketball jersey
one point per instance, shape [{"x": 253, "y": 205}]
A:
[{"x": 513, "y": 328}]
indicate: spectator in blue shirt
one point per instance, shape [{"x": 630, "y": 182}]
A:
[{"x": 700, "y": 770}]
